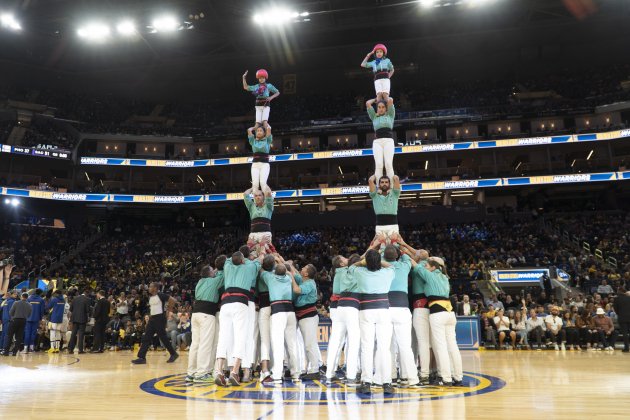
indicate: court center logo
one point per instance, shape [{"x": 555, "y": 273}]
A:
[{"x": 313, "y": 392}]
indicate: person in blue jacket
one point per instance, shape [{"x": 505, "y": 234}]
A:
[
  {"x": 56, "y": 307},
  {"x": 39, "y": 308},
  {"x": 6, "y": 304}
]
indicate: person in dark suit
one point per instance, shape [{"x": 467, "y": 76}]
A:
[
  {"x": 101, "y": 318},
  {"x": 80, "y": 309},
  {"x": 622, "y": 309}
]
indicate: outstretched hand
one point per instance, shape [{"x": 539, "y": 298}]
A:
[{"x": 245, "y": 74}]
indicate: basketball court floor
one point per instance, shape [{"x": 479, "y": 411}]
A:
[{"x": 522, "y": 384}]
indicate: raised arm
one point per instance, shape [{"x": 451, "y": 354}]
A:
[
  {"x": 372, "y": 183},
  {"x": 396, "y": 182},
  {"x": 365, "y": 60},
  {"x": 245, "y": 85},
  {"x": 296, "y": 287},
  {"x": 268, "y": 192}
]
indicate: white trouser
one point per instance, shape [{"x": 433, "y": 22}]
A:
[
  {"x": 232, "y": 328},
  {"x": 308, "y": 328},
  {"x": 333, "y": 315},
  {"x": 203, "y": 331},
  {"x": 401, "y": 322},
  {"x": 387, "y": 230},
  {"x": 382, "y": 86},
  {"x": 346, "y": 322},
  {"x": 260, "y": 175},
  {"x": 383, "y": 150},
  {"x": 299, "y": 345},
  {"x": 257, "y": 237},
  {"x": 215, "y": 341},
  {"x": 422, "y": 329},
  {"x": 445, "y": 345},
  {"x": 264, "y": 319},
  {"x": 262, "y": 113},
  {"x": 283, "y": 330},
  {"x": 250, "y": 344},
  {"x": 375, "y": 322}
]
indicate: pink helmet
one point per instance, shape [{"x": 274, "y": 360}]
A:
[
  {"x": 262, "y": 73},
  {"x": 380, "y": 47}
]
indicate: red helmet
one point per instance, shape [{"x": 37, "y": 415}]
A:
[
  {"x": 380, "y": 47},
  {"x": 262, "y": 73}
]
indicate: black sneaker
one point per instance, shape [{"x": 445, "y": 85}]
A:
[
  {"x": 322, "y": 369},
  {"x": 424, "y": 381},
  {"x": 352, "y": 383},
  {"x": 310, "y": 376},
  {"x": 444, "y": 383},
  {"x": 388, "y": 389},
  {"x": 139, "y": 361},
  {"x": 364, "y": 389},
  {"x": 458, "y": 383},
  {"x": 172, "y": 358}
]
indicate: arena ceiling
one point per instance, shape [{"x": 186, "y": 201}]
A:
[
  {"x": 330, "y": 42},
  {"x": 226, "y": 31}
]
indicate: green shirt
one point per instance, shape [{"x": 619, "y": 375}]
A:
[
  {"x": 402, "y": 268},
  {"x": 308, "y": 295},
  {"x": 280, "y": 287},
  {"x": 260, "y": 145},
  {"x": 261, "y": 286},
  {"x": 208, "y": 288},
  {"x": 385, "y": 204},
  {"x": 347, "y": 283},
  {"x": 372, "y": 282},
  {"x": 417, "y": 282},
  {"x": 382, "y": 121},
  {"x": 436, "y": 283},
  {"x": 254, "y": 211},
  {"x": 242, "y": 276}
]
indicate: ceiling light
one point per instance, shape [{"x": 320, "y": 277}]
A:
[
  {"x": 8, "y": 21},
  {"x": 94, "y": 32},
  {"x": 165, "y": 24},
  {"x": 126, "y": 28}
]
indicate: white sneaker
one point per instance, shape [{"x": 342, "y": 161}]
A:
[
  {"x": 555, "y": 347},
  {"x": 562, "y": 347}
]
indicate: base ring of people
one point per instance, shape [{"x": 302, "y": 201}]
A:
[{"x": 313, "y": 392}]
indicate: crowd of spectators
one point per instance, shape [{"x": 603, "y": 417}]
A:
[{"x": 131, "y": 255}]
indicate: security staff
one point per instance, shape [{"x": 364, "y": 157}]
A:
[
  {"x": 10, "y": 298},
  {"x": 157, "y": 324},
  {"x": 32, "y": 323},
  {"x": 19, "y": 313}
]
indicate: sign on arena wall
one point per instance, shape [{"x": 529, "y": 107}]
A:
[{"x": 518, "y": 276}]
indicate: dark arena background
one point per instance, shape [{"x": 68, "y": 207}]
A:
[{"x": 314, "y": 209}]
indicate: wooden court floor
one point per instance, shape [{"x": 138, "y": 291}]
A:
[{"x": 521, "y": 384}]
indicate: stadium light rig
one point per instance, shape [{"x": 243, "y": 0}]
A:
[
  {"x": 280, "y": 16},
  {"x": 126, "y": 28},
  {"x": 94, "y": 32},
  {"x": 168, "y": 24},
  {"x": 9, "y": 21}
]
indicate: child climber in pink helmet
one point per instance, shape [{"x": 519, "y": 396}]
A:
[
  {"x": 383, "y": 70},
  {"x": 264, "y": 93}
]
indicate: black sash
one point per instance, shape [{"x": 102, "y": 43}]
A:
[
  {"x": 373, "y": 301},
  {"x": 384, "y": 133},
  {"x": 383, "y": 74},
  {"x": 281, "y": 306},
  {"x": 349, "y": 300},
  {"x": 205, "y": 307},
  {"x": 261, "y": 157},
  {"x": 260, "y": 224},
  {"x": 398, "y": 299},
  {"x": 386, "y": 219}
]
